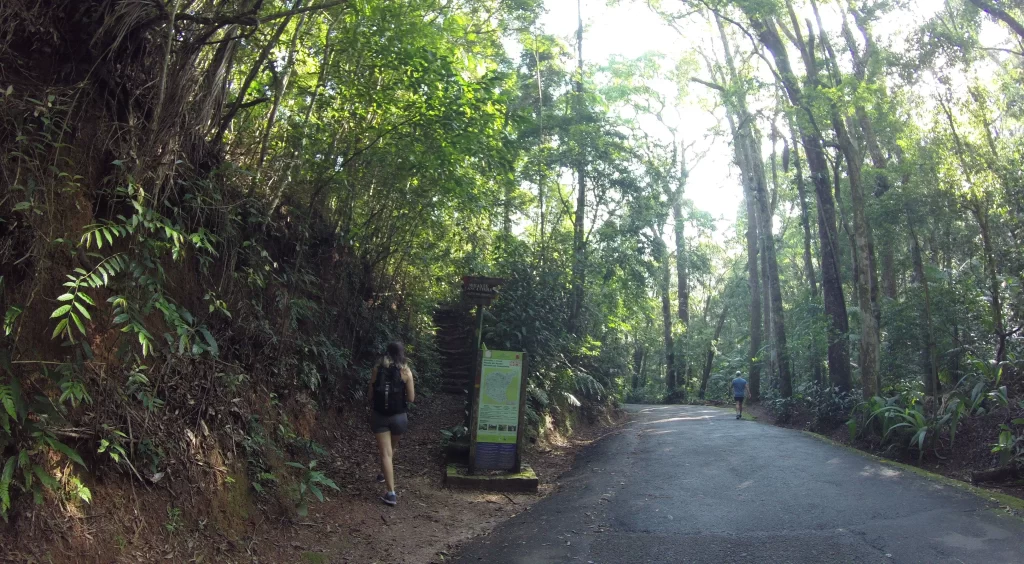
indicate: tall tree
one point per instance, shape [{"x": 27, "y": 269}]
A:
[
  {"x": 759, "y": 218},
  {"x": 866, "y": 283},
  {"x": 579, "y": 268},
  {"x": 664, "y": 266},
  {"x": 811, "y": 139}
]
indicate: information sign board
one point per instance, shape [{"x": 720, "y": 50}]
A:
[{"x": 497, "y": 424}]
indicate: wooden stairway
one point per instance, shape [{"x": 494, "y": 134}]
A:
[{"x": 455, "y": 331}]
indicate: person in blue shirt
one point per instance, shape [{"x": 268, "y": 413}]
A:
[{"x": 740, "y": 390}]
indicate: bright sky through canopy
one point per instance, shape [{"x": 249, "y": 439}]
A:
[{"x": 631, "y": 29}]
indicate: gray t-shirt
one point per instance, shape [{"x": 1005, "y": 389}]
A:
[{"x": 739, "y": 386}]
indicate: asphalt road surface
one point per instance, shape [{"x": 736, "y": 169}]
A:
[{"x": 693, "y": 484}]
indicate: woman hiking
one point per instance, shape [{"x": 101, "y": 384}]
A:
[{"x": 391, "y": 389}]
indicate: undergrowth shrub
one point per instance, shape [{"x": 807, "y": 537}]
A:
[
  {"x": 912, "y": 421},
  {"x": 719, "y": 387},
  {"x": 902, "y": 421},
  {"x": 781, "y": 409},
  {"x": 676, "y": 396},
  {"x": 568, "y": 375},
  {"x": 651, "y": 393},
  {"x": 829, "y": 407}
]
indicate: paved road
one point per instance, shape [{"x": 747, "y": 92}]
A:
[{"x": 692, "y": 484}]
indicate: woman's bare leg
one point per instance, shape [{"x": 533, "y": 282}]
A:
[
  {"x": 386, "y": 459},
  {"x": 394, "y": 453}
]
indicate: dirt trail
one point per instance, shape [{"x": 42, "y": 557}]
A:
[
  {"x": 126, "y": 523},
  {"x": 429, "y": 521}
]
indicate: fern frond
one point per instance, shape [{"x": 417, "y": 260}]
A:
[
  {"x": 97, "y": 233},
  {"x": 6, "y": 477}
]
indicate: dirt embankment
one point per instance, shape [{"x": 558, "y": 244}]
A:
[{"x": 135, "y": 524}]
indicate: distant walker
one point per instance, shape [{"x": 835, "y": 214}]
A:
[{"x": 740, "y": 390}]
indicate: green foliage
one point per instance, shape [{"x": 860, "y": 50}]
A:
[
  {"x": 113, "y": 444},
  {"x": 899, "y": 423},
  {"x": 653, "y": 393},
  {"x": 27, "y": 439},
  {"x": 262, "y": 480},
  {"x": 676, "y": 396},
  {"x": 173, "y": 523},
  {"x": 1010, "y": 444},
  {"x": 458, "y": 433},
  {"x": 907, "y": 418},
  {"x": 782, "y": 409},
  {"x": 311, "y": 481},
  {"x": 829, "y": 406},
  {"x": 138, "y": 385},
  {"x": 76, "y": 301}
]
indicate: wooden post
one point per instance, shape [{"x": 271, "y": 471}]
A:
[
  {"x": 474, "y": 418},
  {"x": 522, "y": 414},
  {"x": 479, "y": 326},
  {"x": 480, "y": 291}
]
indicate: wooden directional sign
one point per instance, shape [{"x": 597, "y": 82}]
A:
[{"x": 480, "y": 290}]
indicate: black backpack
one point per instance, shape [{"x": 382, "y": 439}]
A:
[{"x": 389, "y": 391}]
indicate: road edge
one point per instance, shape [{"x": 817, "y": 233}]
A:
[{"x": 1008, "y": 504}]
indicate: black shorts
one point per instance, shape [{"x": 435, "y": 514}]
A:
[
  {"x": 739, "y": 399},
  {"x": 397, "y": 423}
]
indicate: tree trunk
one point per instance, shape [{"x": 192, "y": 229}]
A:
[
  {"x": 805, "y": 223},
  {"x": 773, "y": 287},
  {"x": 1001, "y": 15},
  {"x": 541, "y": 143},
  {"x": 253, "y": 73},
  {"x": 866, "y": 284},
  {"x": 638, "y": 362},
  {"x": 864, "y": 252},
  {"x": 666, "y": 314},
  {"x": 752, "y": 167},
  {"x": 888, "y": 269},
  {"x": 831, "y": 280},
  {"x": 682, "y": 276},
  {"x": 578, "y": 242},
  {"x": 682, "y": 281},
  {"x": 579, "y": 253},
  {"x": 929, "y": 356},
  {"x": 754, "y": 286},
  {"x": 769, "y": 374},
  {"x": 709, "y": 357},
  {"x": 282, "y": 86},
  {"x": 995, "y": 300},
  {"x": 753, "y": 277}
]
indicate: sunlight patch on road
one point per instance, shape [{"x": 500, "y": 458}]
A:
[
  {"x": 975, "y": 542},
  {"x": 671, "y": 419},
  {"x": 880, "y": 471},
  {"x": 660, "y": 432}
]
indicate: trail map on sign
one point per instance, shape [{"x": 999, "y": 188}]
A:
[
  {"x": 502, "y": 388},
  {"x": 501, "y": 374}
]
